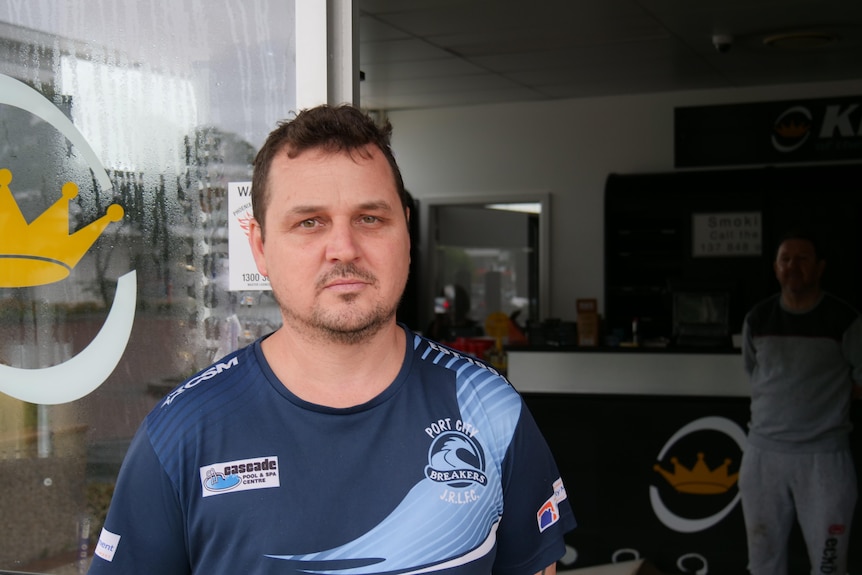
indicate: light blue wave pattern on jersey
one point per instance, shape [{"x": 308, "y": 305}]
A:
[{"x": 417, "y": 536}]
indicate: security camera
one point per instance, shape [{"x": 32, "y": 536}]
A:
[{"x": 722, "y": 42}]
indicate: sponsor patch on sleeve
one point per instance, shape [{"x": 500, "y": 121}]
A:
[
  {"x": 239, "y": 475},
  {"x": 549, "y": 512},
  {"x": 107, "y": 545}
]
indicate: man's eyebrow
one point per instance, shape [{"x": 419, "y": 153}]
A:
[
  {"x": 305, "y": 209},
  {"x": 376, "y": 205}
]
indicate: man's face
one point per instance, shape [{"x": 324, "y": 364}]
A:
[
  {"x": 797, "y": 268},
  {"x": 337, "y": 247}
]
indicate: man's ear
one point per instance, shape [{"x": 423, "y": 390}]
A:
[{"x": 255, "y": 241}]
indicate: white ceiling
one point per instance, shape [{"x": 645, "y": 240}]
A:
[{"x": 434, "y": 53}]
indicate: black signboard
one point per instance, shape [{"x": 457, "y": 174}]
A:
[{"x": 769, "y": 132}]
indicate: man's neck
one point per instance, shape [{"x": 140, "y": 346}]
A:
[
  {"x": 335, "y": 374},
  {"x": 800, "y": 301}
]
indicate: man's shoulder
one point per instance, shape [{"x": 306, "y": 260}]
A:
[
  {"x": 207, "y": 389},
  {"x": 431, "y": 352},
  {"x": 829, "y": 318},
  {"x": 839, "y": 306},
  {"x": 762, "y": 310},
  {"x": 479, "y": 386},
  {"x": 838, "y": 313},
  {"x": 203, "y": 403}
]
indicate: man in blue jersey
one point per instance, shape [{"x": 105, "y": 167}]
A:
[
  {"x": 342, "y": 443},
  {"x": 802, "y": 349}
]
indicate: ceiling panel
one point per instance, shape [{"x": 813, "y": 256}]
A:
[
  {"x": 431, "y": 53},
  {"x": 443, "y": 67}
]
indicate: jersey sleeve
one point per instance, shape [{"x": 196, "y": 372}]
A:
[
  {"x": 143, "y": 532},
  {"x": 536, "y": 512}
]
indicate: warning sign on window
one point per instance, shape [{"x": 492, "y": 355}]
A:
[{"x": 241, "y": 267}]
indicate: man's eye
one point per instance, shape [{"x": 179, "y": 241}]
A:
[
  {"x": 307, "y": 223},
  {"x": 370, "y": 219}
]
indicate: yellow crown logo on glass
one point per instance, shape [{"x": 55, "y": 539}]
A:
[
  {"x": 43, "y": 251},
  {"x": 699, "y": 479}
]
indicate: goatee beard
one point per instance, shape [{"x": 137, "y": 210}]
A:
[
  {"x": 346, "y": 327},
  {"x": 350, "y": 336}
]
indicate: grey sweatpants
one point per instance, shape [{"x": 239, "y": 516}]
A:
[{"x": 817, "y": 489}]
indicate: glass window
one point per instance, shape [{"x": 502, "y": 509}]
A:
[{"x": 122, "y": 126}]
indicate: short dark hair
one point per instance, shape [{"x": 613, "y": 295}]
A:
[
  {"x": 805, "y": 234},
  {"x": 329, "y": 128}
]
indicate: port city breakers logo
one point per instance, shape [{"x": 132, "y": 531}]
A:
[
  {"x": 43, "y": 252},
  {"x": 456, "y": 460},
  {"x": 239, "y": 475},
  {"x": 714, "y": 485}
]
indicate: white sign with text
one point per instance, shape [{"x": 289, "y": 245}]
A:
[
  {"x": 242, "y": 271},
  {"x": 726, "y": 234}
]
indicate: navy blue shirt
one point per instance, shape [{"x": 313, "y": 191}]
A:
[{"x": 445, "y": 470}]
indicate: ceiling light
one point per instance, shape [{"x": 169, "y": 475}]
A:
[
  {"x": 800, "y": 41},
  {"x": 525, "y": 207}
]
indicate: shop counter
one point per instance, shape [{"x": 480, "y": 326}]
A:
[
  {"x": 649, "y": 444},
  {"x": 629, "y": 371}
]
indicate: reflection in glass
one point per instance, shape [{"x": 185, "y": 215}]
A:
[{"x": 174, "y": 100}]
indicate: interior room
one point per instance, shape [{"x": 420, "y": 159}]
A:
[{"x": 585, "y": 104}]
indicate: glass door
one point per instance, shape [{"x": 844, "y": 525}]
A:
[{"x": 124, "y": 126}]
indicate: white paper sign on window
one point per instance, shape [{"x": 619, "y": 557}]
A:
[
  {"x": 241, "y": 267},
  {"x": 726, "y": 234}
]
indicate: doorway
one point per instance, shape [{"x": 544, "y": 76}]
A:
[{"x": 484, "y": 255}]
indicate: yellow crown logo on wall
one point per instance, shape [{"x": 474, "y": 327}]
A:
[
  {"x": 43, "y": 251},
  {"x": 792, "y": 130},
  {"x": 699, "y": 479}
]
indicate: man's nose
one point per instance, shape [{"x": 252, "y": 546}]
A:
[{"x": 342, "y": 242}]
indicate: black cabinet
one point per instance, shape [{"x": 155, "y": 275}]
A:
[{"x": 650, "y": 252}]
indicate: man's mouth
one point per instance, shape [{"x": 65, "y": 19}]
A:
[
  {"x": 346, "y": 284},
  {"x": 346, "y": 278}
]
